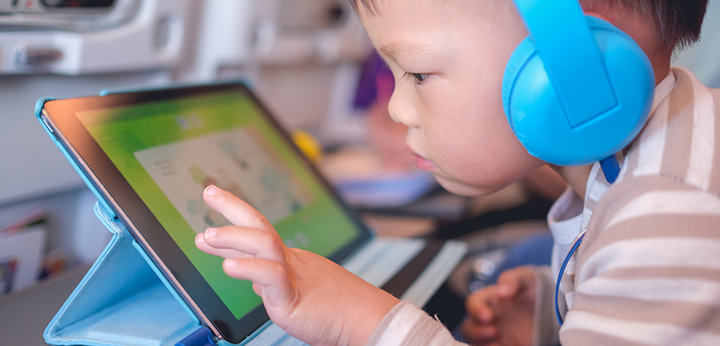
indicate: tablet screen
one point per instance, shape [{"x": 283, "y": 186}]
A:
[{"x": 170, "y": 150}]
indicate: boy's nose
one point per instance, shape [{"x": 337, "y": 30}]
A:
[{"x": 402, "y": 111}]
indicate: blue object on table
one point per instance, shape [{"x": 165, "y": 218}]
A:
[{"x": 200, "y": 337}]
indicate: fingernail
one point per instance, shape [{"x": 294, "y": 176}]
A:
[
  {"x": 231, "y": 262},
  {"x": 504, "y": 290},
  {"x": 210, "y": 232},
  {"x": 200, "y": 238},
  {"x": 211, "y": 190}
]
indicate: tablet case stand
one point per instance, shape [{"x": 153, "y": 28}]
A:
[{"x": 124, "y": 300}]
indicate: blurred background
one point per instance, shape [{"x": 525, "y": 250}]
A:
[{"x": 308, "y": 60}]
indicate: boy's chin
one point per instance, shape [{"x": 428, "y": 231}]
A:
[{"x": 463, "y": 189}]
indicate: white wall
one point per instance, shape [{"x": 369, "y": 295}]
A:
[
  {"x": 31, "y": 164},
  {"x": 703, "y": 59}
]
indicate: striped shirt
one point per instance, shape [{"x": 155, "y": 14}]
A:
[{"x": 648, "y": 270}]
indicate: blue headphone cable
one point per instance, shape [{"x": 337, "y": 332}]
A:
[
  {"x": 611, "y": 168},
  {"x": 560, "y": 274}
]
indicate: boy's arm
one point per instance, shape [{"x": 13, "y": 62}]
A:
[
  {"x": 651, "y": 274},
  {"x": 407, "y": 325}
]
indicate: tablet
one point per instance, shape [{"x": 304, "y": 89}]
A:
[{"x": 149, "y": 155}]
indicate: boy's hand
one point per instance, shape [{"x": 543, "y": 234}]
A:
[
  {"x": 502, "y": 314},
  {"x": 308, "y": 296}
]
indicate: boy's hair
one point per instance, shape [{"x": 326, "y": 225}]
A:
[{"x": 678, "y": 22}]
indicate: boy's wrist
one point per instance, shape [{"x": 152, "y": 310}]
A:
[{"x": 359, "y": 327}]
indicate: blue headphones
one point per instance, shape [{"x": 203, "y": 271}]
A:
[{"x": 577, "y": 89}]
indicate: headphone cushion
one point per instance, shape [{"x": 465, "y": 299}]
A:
[{"x": 538, "y": 119}]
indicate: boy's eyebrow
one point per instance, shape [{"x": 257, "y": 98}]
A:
[{"x": 402, "y": 48}]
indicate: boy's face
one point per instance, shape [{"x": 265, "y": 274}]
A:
[{"x": 448, "y": 59}]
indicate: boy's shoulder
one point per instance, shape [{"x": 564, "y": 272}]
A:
[
  {"x": 681, "y": 140},
  {"x": 670, "y": 181},
  {"x": 651, "y": 243}
]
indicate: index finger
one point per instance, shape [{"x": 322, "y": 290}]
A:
[
  {"x": 479, "y": 305},
  {"x": 515, "y": 283},
  {"x": 234, "y": 209}
]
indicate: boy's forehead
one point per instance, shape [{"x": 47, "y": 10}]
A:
[
  {"x": 378, "y": 7},
  {"x": 410, "y": 25},
  {"x": 397, "y": 33},
  {"x": 422, "y": 28}
]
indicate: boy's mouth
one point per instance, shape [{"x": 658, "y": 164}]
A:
[
  {"x": 421, "y": 162},
  {"x": 424, "y": 164}
]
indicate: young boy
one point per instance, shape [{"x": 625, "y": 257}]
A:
[{"x": 648, "y": 271}]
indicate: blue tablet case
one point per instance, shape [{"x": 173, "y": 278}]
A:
[
  {"x": 122, "y": 300},
  {"x": 125, "y": 300}
]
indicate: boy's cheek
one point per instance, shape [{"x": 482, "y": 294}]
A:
[{"x": 457, "y": 188}]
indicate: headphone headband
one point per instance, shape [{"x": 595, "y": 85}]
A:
[{"x": 571, "y": 57}]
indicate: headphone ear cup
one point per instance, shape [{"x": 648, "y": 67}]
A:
[
  {"x": 523, "y": 52},
  {"x": 538, "y": 119}
]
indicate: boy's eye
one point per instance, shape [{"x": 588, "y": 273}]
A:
[{"x": 415, "y": 77}]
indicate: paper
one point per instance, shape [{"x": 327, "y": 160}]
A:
[{"x": 21, "y": 258}]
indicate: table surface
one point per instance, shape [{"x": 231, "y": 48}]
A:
[{"x": 25, "y": 314}]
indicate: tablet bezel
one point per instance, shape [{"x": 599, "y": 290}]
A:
[{"x": 106, "y": 179}]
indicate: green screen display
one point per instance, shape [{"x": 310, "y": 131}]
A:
[{"x": 169, "y": 151}]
